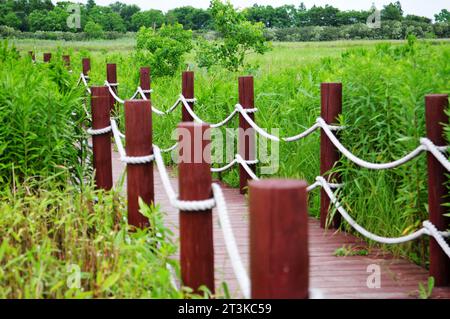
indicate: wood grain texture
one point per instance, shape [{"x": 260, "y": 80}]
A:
[
  {"x": 435, "y": 106},
  {"x": 247, "y": 135},
  {"x": 196, "y": 230},
  {"x": 101, "y": 143},
  {"x": 111, "y": 77},
  {"x": 145, "y": 80},
  {"x": 187, "y": 89},
  {"x": 138, "y": 131},
  {"x": 331, "y": 108},
  {"x": 66, "y": 61},
  {"x": 279, "y": 259}
]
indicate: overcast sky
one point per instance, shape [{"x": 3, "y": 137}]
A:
[{"x": 419, "y": 7}]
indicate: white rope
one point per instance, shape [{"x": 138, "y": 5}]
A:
[
  {"x": 84, "y": 78},
  {"x": 269, "y": 136},
  {"x": 317, "y": 184},
  {"x": 123, "y": 155},
  {"x": 200, "y": 205},
  {"x": 438, "y": 236},
  {"x": 231, "y": 164},
  {"x": 366, "y": 233},
  {"x": 170, "y": 149},
  {"x": 230, "y": 242},
  {"x": 113, "y": 94},
  {"x": 244, "y": 164},
  {"x": 426, "y": 145},
  {"x": 436, "y": 152},
  {"x": 100, "y": 131},
  {"x": 144, "y": 97}
]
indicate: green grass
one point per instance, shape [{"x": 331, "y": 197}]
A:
[{"x": 384, "y": 85}]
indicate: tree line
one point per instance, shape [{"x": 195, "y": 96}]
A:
[{"x": 43, "y": 15}]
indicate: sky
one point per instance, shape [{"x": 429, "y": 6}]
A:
[{"x": 419, "y": 7}]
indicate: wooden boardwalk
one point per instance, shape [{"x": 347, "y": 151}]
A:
[{"x": 330, "y": 276}]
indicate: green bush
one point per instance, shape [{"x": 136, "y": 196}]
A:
[
  {"x": 93, "y": 30},
  {"x": 58, "y": 242},
  {"x": 239, "y": 37},
  {"x": 38, "y": 133},
  {"x": 163, "y": 49}
]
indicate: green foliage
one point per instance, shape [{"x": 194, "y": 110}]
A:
[
  {"x": 149, "y": 19},
  {"x": 163, "y": 50},
  {"x": 93, "y": 30},
  {"x": 36, "y": 107},
  {"x": 51, "y": 233},
  {"x": 443, "y": 16},
  {"x": 191, "y": 18},
  {"x": 425, "y": 293},
  {"x": 349, "y": 250},
  {"x": 239, "y": 38}
]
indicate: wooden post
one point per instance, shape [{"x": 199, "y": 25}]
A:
[
  {"x": 86, "y": 66},
  {"x": 279, "y": 258},
  {"x": 138, "y": 128},
  {"x": 32, "y": 55},
  {"x": 47, "y": 57},
  {"x": 247, "y": 137},
  {"x": 331, "y": 108},
  {"x": 111, "y": 77},
  {"x": 196, "y": 228},
  {"x": 188, "y": 93},
  {"x": 145, "y": 80},
  {"x": 436, "y": 118},
  {"x": 66, "y": 61},
  {"x": 101, "y": 143}
]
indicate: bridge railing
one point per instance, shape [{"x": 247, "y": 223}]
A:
[{"x": 278, "y": 242}]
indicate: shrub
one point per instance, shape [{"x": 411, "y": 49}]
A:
[
  {"x": 38, "y": 134},
  {"x": 93, "y": 30},
  {"x": 239, "y": 37},
  {"x": 163, "y": 49}
]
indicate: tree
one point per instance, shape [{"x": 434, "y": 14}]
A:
[
  {"x": 392, "y": 11},
  {"x": 163, "y": 49},
  {"x": 150, "y": 19},
  {"x": 11, "y": 20},
  {"x": 126, "y": 12},
  {"x": 239, "y": 37},
  {"x": 93, "y": 30},
  {"x": 443, "y": 16},
  {"x": 191, "y": 18},
  {"x": 414, "y": 18}
]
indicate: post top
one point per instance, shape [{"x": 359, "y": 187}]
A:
[
  {"x": 434, "y": 96},
  {"x": 278, "y": 184},
  {"x": 100, "y": 91}
]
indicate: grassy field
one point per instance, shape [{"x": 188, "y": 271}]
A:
[{"x": 384, "y": 84}]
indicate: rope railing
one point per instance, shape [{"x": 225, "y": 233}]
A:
[
  {"x": 218, "y": 201},
  {"x": 427, "y": 229}
]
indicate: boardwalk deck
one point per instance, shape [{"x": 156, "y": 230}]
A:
[{"x": 330, "y": 276}]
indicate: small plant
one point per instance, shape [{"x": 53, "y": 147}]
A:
[
  {"x": 426, "y": 292},
  {"x": 349, "y": 250}
]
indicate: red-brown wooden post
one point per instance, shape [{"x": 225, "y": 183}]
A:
[
  {"x": 437, "y": 191},
  {"x": 138, "y": 128},
  {"x": 47, "y": 57},
  {"x": 279, "y": 258},
  {"x": 196, "y": 228},
  {"x": 247, "y": 137},
  {"x": 86, "y": 62},
  {"x": 32, "y": 55},
  {"x": 331, "y": 108},
  {"x": 188, "y": 93},
  {"x": 101, "y": 143},
  {"x": 111, "y": 77},
  {"x": 66, "y": 61},
  {"x": 145, "y": 80}
]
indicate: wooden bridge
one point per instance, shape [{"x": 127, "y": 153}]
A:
[
  {"x": 376, "y": 274},
  {"x": 330, "y": 276}
]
